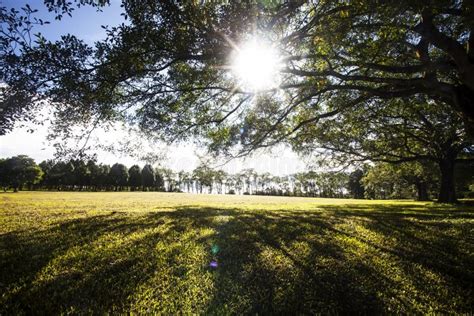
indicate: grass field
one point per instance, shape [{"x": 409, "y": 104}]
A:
[{"x": 152, "y": 252}]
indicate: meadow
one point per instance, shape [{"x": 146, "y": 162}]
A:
[{"x": 84, "y": 252}]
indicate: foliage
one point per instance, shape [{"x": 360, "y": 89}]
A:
[
  {"x": 393, "y": 132},
  {"x": 204, "y": 175},
  {"x": 3, "y": 173},
  {"x": 381, "y": 181},
  {"x": 17, "y": 171},
  {"x": 168, "y": 68},
  {"x": 390, "y": 181},
  {"x": 355, "y": 186},
  {"x": 148, "y": 176},
  {"x": 464, "y": 179},
  {"x": 165, "y": 179},
  {"x": 135, "y": 177},
  {"x": 118, "y": 175}
]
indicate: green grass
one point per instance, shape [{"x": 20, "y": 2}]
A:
[{"x": 150, "y": 252}]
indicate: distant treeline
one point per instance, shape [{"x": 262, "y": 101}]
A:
[{"x": 380, "y": 181}]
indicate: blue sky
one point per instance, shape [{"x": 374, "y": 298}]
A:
[{"x": 86, "y": 24}]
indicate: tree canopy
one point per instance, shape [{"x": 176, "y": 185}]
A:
[
  {"x": 18, "y": 171},
  {"x": 170, "y": 59},
  {"x": 168, "y": 70}
]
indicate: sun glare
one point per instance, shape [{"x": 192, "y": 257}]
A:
[{"x": 256, "y": 66}]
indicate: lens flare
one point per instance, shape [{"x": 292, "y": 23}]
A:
[{"x": 215, "y": 249}]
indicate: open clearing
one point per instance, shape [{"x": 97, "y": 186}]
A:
[{"x": 151, "y": 252}]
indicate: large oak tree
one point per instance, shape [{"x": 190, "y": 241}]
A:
[{"x": 167, "y": 69}]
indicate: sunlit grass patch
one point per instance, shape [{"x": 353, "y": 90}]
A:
[{"x": 179, "y": 253}]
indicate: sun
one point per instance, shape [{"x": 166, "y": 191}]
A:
[{"x": 256, "y": 66}]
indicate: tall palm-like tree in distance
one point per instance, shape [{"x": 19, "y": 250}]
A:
[
  {"x": 219, "y": 178},
  {"x": 249, "y": 178}
]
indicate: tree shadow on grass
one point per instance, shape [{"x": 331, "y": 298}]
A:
[
  {"x": 342, "y": 259},
  {"x": 443, "y": 237}
]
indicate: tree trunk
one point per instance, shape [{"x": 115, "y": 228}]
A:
[
  {"x": 464, "y": 101},
  {"x": 447, "y": 191},
  {"x": 421, "y": 188}
]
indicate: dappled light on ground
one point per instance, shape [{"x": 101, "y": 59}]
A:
[{"x": 172, "y": 253}]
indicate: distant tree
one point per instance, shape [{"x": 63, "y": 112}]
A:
[
  {"x": 204, "y": 176},
  {"x": 276, "y": 186},
  {"x": 103, "y": 179},
  {"x": 220, "y": 177},
  {"x": 182, "y": 181},
  {"x": 68, "y": 175},
  {"x": 340, "y": 180},
  {"x": 231, "y": 182},
  {"x": 148, "y": 177},
  {"x": 165, "y": 179},
  {"x": 406, "y": 180},
  {"x": 285, "y": 185},
  {"x": 3, "y": 175},
  {"x": 135, "y": 177},
  {"x": 312, "y": 180},
  {"x": 249, "y": 177},
  {"x": 93, "y": 174},
  {"x": 381, "y": 182},
  {"x": 21, "y": 170},
  {"x": 422, "y": 176},
  {"x": 56, "y": 175},
  {"x": 264, "y": 182},
  {"x": 118, "y": 176},
  {"x": 159, "y": 183},
  {"x": 297, "y": 184},
  {"x": 46, "y": 180},
  {"x": 81, "y": 173},
  {"x": 355, "y": 186},
  {"x": 464, "y": 178}
]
